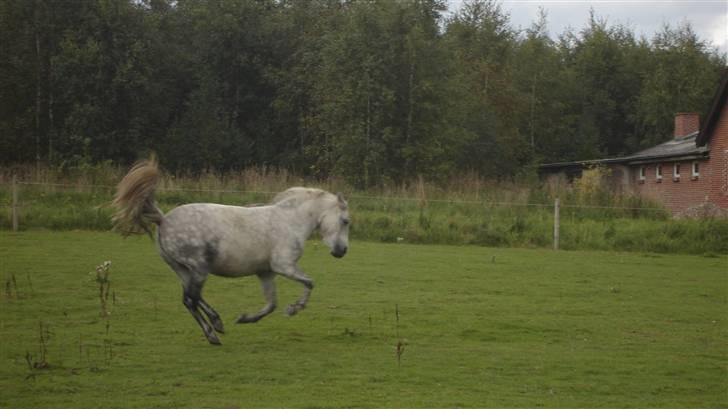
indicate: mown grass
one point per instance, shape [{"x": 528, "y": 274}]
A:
[{"x": 481, "y": 327}]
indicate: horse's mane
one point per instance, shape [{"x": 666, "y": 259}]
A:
[{"x": 295, "y": 195}]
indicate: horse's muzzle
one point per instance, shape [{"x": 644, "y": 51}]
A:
[{"x": 339, "y": 252}]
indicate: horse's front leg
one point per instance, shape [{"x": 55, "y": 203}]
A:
[
  {"x": 291, "y": 271},
  {"x": 269, "y": 292}
]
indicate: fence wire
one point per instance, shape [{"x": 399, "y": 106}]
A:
[
  {"x": 386, "y": 218},
  {"x": 365, "y": 197}
]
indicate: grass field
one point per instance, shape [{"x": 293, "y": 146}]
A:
[{"x": 478, "y": 327}]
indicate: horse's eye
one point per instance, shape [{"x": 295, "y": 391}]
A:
[{"x": 345, "y": 222}]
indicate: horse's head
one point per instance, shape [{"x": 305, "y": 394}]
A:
[{"x": 334, "y": 226}]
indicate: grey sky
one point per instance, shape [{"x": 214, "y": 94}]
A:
[{"x": 709, "y": 18}]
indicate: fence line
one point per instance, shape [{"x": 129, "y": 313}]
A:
[
  {"x": 15, "y": 203},
  {"x": 15, "y": 206},
  {"x": 557, "y": 223},
  {"x": 62, "y": 185},
  {"x": 655, "y": 209},
  {"x": 355, "y": 196},
  {"x": 160, "y": 189}
]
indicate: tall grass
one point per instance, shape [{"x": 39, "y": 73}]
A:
[{"x": 465, "y": 210}]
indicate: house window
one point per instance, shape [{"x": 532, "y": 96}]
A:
[
  {"x": 658, "y": 173},
  {"x": 696, "y": 170},
  {"x": 676, "y": 172},
  {"x": 643, "y": 173}
]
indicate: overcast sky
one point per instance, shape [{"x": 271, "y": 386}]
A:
[{"x": 709, "y": 18}]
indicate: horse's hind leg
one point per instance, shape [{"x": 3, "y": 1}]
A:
[
  {"x": 269, "y": 292},
  {"x": 191, "y": 300},
  {"x": 212, "y": 316},
  {"x": 193, "y": 278}
]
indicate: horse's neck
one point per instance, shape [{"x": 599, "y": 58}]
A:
[{"x": 307, "y": 214}]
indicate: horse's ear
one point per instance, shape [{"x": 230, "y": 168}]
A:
[{"x": 342, "y": 201}]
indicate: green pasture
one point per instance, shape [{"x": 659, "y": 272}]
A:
[{"x": 388, "y": 326}]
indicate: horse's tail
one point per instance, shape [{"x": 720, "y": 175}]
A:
[{"x": 136, "y": 209}]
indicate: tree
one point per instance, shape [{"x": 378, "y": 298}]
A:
[
  {"x": 376, "y": 98},
  {"x": 682, "y": 77},
  {"x": 226, "y": 113},
  {"x": 482, "y": 45},
  {"x": 376, "y": 91},
  {"x": 607, "y": 85},
  {"x": 542, "y": 98}
]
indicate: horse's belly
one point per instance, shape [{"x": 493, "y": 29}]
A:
[
  {"x": 238, "y": 268},
  {"x": 236, "y": 261}
]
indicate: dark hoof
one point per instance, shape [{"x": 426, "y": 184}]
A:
[
  {"x": 219, "y": 328},
  {"x": 247, "y": 319},
  {"x": 293, "y": 309},
  {"x": 213, "y": 339}
]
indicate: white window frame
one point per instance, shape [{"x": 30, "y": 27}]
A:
[
  {"x": 658, "y": 173},
  {"x": 642, "y": 173},
  {"x": 695, "y": 168},
  {"x": 676, "y": 171}
]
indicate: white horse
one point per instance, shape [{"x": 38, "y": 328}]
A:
[{"x": 200, "y": 239}]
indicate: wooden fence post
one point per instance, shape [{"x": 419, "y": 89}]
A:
[
  {"x": 557, "y": 222},
  {"x": 15, "y": 203}
]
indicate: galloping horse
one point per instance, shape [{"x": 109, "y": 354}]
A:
[{"x": 200, "y": 239}]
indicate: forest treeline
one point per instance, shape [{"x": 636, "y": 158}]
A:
[{"x": 375, "y": 91}]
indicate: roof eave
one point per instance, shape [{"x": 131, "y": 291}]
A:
[
  {"x": 581, "y": 163},
  {"x": 630, "y": 160},
  {"x": 671, "y": 158}
]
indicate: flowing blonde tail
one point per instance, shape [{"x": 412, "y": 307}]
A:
[{"x": 134, "y": 199}]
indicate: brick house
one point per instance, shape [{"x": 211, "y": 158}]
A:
[{"x": 687, "y": 174}]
